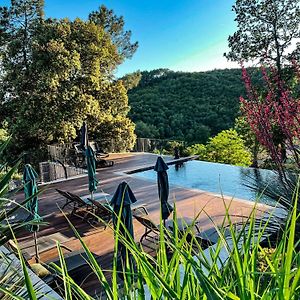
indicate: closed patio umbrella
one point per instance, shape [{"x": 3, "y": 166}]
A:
[
  {"x": 84, "y": 141},
  {"x": 91, "y": 167},
  {"x": 163, "y": 187},
  {"x": 30, "y": 189},
  {"x": 122, "y": 200}
]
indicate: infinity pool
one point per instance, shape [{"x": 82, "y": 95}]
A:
[{"x": 214, "y": 177}]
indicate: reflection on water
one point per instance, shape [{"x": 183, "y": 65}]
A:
[
  {"x": 217, "y": 178},
  {"x": 178, "y": 166}
]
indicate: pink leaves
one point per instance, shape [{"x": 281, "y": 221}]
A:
[{"x": 272, "y": 110}]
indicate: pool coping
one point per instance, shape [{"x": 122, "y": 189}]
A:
[{"x": 171, "y": 162}]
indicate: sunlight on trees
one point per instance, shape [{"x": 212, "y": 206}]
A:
[{"x": 58, "y": 73}]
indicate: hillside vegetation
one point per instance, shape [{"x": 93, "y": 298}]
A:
[{"x": 185, "y": 106}]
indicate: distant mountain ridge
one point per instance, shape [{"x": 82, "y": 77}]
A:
[{"x": 185, "y": 106}]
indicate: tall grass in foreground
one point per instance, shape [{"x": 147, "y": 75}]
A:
[
  {"x": 182, "y": 269},
  {"x": 14, "y": 284}
]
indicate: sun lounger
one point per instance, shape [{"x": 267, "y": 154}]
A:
[
  {"x": 81, "y": 207},
  {"x": 105, "y": 211},
  {"x": 74, "y": 260},
  {"x": 99, "y": 155},
  {"x": 91, "y": 208},
  {"x": 152, "y": 230},
  {"x": 12, "y": 263},
  {"x": 42, "y": 270},
  {"x": 98, "y": 152},
  {"x": 75, "y": 201}
]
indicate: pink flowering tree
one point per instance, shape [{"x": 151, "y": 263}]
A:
[{"x": 274, "y": 114}]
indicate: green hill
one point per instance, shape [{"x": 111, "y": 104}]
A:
[{"x": 185, "y": 106}]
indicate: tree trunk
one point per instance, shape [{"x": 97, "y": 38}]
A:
[{"x": 255, "y": 154}]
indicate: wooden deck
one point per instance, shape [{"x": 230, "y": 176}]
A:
[{"x": 189, "y": 203}]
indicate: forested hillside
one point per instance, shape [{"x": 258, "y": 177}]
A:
[{"x": 185, "y": 106}]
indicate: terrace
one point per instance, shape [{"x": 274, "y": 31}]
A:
[{"x": 189, "y": 203}]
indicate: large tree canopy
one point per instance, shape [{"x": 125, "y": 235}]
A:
[
  {"x": 59, "y": 77},
  {"x": 268, "y": 31}
]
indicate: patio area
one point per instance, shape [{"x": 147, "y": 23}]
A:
[{"x": 188, "y": 202}]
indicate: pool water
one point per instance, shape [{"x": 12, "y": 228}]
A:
[{"x": 216, "y": 178}]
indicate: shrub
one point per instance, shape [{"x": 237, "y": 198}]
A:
[
  {"x": 226, "y": 147},
  {"x": 197, "y": 149}
]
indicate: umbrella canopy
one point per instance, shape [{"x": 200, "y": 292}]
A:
[
  {"x": 84, "y": 136},
  {"x": 91, "y": 167},
  {"x": 163, "y": 187},
  {"x": 122, "y": 200},
  {"x": 30, "y": 189}
]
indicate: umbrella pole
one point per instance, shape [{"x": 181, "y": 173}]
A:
[
  {"x": 37, "y": 257},
  {"x": 92, "y": 195}
]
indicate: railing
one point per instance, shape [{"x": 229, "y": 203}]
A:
[
  {"x": 65, "y": 153},
  {"x": 63, "y": 161},
  {"x": 152, "y": 145},
  {"x": 51, "y": 171}
]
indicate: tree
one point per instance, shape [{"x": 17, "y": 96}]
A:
[
  {"x": 17, "y": 27},
  {"x": 68, "y": 81},
  {"x": 226, "y": 147},
  {"x": 244, "y": 130},
  {"x": 131, "y": 80},
  {"x": 266, "y": 31},
  {"x": 144, "y": 130},
  {"x": 114, "y": 26},
  {"x": 267, "y": 115},
  {"x": 18, "y": 24},
  {"x": 186, "y": 106}
]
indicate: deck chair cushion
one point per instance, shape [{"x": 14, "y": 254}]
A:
[{"x": 40, "y": 270}]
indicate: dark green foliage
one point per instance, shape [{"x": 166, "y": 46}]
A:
[
  {"x": 148, "y": 130},
  {"x": 185, "y": 106},
  {"x": 114, "y": 26},
  {"x": 252, "y": 144}
]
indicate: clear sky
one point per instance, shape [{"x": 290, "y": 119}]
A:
[{"x": 185, "y": 35}]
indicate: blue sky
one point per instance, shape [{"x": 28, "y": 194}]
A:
[{"x": 185, "y": 35}]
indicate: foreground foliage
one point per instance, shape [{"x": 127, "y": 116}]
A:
[
  {"x": 240, "y": 266},
  {"x": 14, "y": 284},
  {"x": 249, "y": 272}
]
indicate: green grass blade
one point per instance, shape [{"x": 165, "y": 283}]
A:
[
  {"x": 30, "y": 289},
  {"x": 290, "y": 247}
]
